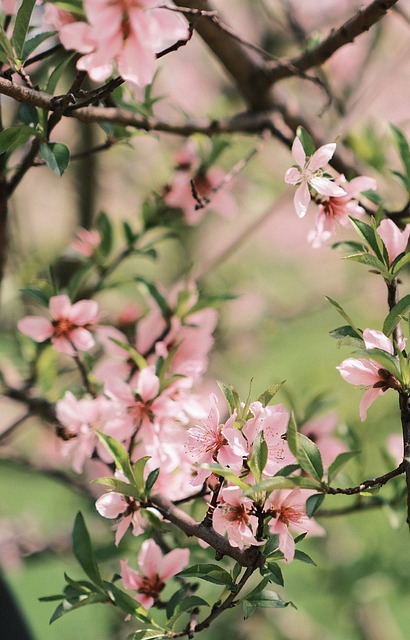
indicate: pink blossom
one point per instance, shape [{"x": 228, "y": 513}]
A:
[
  {"x": 86, "y": 242},
  {"x": 214, "y": 442},
  {"x": 395, "y": 446},
  {"x": 124, "y": 508},
  {"x": 155, "y": 570},
  {"x": 321, "y": 431},
  {"x": 310, "y": 173},
  {"x": 127, "y": 34},
  {"x": 179, "y": 193},
  {"x": 69, "y": 327},
  {"x": 288, "y": 511},
  {"x": 335, "y": 210},
  {"x": 234, "y": 517},
  {"x": 369, "y": 373},
  {"x": 9, "y": 6},
  {"x": 394, "y": 239}
]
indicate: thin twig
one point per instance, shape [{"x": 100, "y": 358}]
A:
[{"x": 367, "y": 484}]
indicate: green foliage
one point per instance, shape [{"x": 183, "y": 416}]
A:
[
  {"x": 14, "y": 137},
  {"x": 208, "y": 572},
  {"x": 103, "y": 224},
  {"x": 84, "y": 552},
  {"x": 396, "y": 314},
  {"x": 56, "y": 155},
  {"x": 270, "y": 393},
  {"x": 259, "y": 458},
  {"x": 339, "y": 462},
  {"x": 404, "y": 152},
  {"x": 306, "y": 140},
  {"x": 21, "y": 26},
  {"x": 305, "y": 451}
]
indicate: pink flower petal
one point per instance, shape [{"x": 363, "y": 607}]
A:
[
  {"x": 60, "y": 306},
  {"x": 36, "y": 328},
  {"x": 359, "y": 372},
  {"x": 301, "y": 200},
  {"x": 82, "y": 339},
  {"x": 293, "y": 176},
  {"x": 326, "y": 187},
  {"x": 298, "y": 152},
  {"x": 368, "y": 398},
  {"x": 150, "y": 558},
  {"x": 84, "y": 312},
  {"x": 173, "y": 562},
  {"x": 377, "y": 339},
  {"x": 321, "y": 157}
]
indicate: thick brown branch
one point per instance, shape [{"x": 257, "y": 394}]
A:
[
  {"x": 358, "y": 24},
  {"x": 251, "y": 557},
  {"x": 405, "y": 423}
]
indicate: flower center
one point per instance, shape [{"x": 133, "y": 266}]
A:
[{"x": 151, "y": 586}]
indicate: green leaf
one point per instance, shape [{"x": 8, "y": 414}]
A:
[
  {"x": 119, "y": 486},
  {"x": 228, "y": 394},
  {"x": 84, "y": 552},
  {"x": 21, "y": 26},
  {"x": 313, "y": 503},
  {"x": 67, "y": 607},
  {"x": 346, "y": 332},
  {"x": 306, "y": 140},
  {"x": 40, "y": 296},
  {"x": 262, "y": 600},
  {"x": 189, "y": 603},
  {"x": 120, "y": 455},
  {"x": 147, "y": 634},
  {"x": 158, "y": 297},
  {"x": 348, "y": 245},
  {"x": 303, "y": 557},
  {"x": 129, "y": 235},
  {"x": 395, "y": 314},
  {"x": 368, "y": 234},
  {"x": 272, "y": 544},
  {"x": 226, "y": 473},
  {"x": 6, "y": 50},
  {"x": 77, "y": 279},
  {"x": 104, "y": 226},
  {"x": 339, "y": 462},
  {"x": 343, "y": 314},
  {"x": 273, "y": 572},
  {"x": 403, "y": 149},
  {"x": 267, "y": 395},
  {"x": 28, "y": 114},
  {"x": 138, "y": 472},
  {"x": 401, "y": 261},
  {"x": 135, "y": 356},
  {"x": 305, "y": 451},
  {"x": 370, "y": 261},
  {"x": 56, "y": 155},
  {"x": 176, "y": 598},
  {"x": 34, "y": 42},
  {"x": 280, "y": 482},
  {"x": 151, "y": 480},
  {"x": 14, "y": 137},
  {"x": 127, "y": 604},
  {"x": 259, "y": 458},
  {"x": 57, "y": 73},
  {"x": 209, "y": 572}
]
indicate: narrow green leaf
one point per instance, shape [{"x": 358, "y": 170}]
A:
[
  {"x": 309, "y": 457},
  {"x": 34, "y": 42},
  {"x": 401, "y": 261},
  {"x": 158, "y": 297},
  {"x": 189, "y": 603},
  {"x": 367, "y": 232},
  {"x": 57, "y": 73},
  {"x": 259, "y": 458},
  {"x": 339, "y": 462},
  {"x": 272, "y": 544},
  {"x": 292, "y": 436},
  {"x": 343, "y": 314},
  {"x": 313, "y": 503},
  {"x": 21, "y": 26},
  {"x": 151, "y": 480},
  {"x": 175, "y": 599},
  {"x": 403, "y": 149},
  {"x": 127, "y": 604},
  {"x": 136, "y": 357},
  {"x": 120, "y": 455},
  {"x": 280, "y": 482},
  {"x": 6, "y": 49},
  {"x": 303, "y": 557},
  {"x": 14, "y": 137},
  {"x": 147, "y": 634},
  {"x": 67, "y": 607},
  {"x": 209, "y": 572},
  {"x": 369, "y": 260},
  {"x": 273, "y": 572},
  {"x": 226, "y": 473},
  {"x": 395, "y": 314},
  {"x": 228, "y": 393},
  {"x": 84, "y": 551},
  {"x": 306, "y": 140},
  {"x": 263, "y": 600},
  {"x": 119, "y": 486},
  {"x": 39, "y": 295},
  {"x": 138, "y": 469},
  {"x": 346, "y": 332},
  {"x": 56, "y": 155},
  {"x": 267, "y": 395},
  {"x": 104, "y": 226}
]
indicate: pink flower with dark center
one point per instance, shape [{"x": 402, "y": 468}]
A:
[
  {"x": 126, "y": 34},
  {"x": 369, "y": 373},
  {"x": 394, "y": 239},
  {"x": 234, "y": 516},
  {"x": 288, "y": 511},
  {"x": 335, "y": 210},
  {"x": 155, "y": 570},
  {"x": 310, "y": 173},
  {"x": 69, "y": 328}
]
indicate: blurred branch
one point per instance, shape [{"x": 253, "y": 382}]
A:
[{"x": 348, "y": 32}]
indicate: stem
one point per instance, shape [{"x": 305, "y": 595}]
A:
[
  {"x": 381, "y": 480},
  {"x": 392, "y": 301},
  {"x": 405, "y": 423}
]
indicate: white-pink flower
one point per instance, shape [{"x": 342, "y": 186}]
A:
[
  {"x": 369, "y": 373},
  {"x": 69, "y": 328},
  {"x": 126, "y": 34},
  {"x": 310, "y": 173},
  {"x": 288, "y": 511},
  {"x": 335, "y": 210},
  {"x": 155, "y": 570},
  {"x": 234, "y": 516},
  {"x": 394, "y": 239}
]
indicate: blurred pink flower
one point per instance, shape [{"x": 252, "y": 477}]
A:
[
  {"x": 288, "y": 511},
  {"x": 234, "y": 517},
  {"x": 69, "y": 328},
  {"x": 155, "y": 570},
  {"x": 123, "y": 33},
  {"x": 9, "y": 6},
  {"x": 335, "y": 210},
  {"x": 86, "y": 242},
  {"x": 310, "y": 172},
  {"x": 394, "y": 239},
  {"x": 368, "y": 373}
]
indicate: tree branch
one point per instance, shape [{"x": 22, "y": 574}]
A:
[
  {"x": 347, "y": 33},
  {"x": 367, "y": 484},
  {"x": 251, "y": 557}
]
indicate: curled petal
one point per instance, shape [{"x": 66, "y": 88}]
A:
[{"x": 377, "y": 339}]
